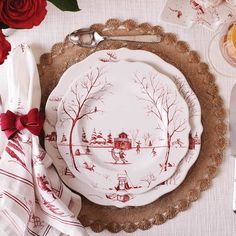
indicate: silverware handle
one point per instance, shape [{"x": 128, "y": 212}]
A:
[
  {"x": 234, "y": 188},
  {"x": 137, "y": 38}
]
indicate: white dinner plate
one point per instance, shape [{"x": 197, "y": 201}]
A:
[
  {"x": 103, "y": 57},
  {"x": 122, "y": 121}
]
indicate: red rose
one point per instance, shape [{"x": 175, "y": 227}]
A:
[
  {"x": 5, "y": 48},
  {"x": 22, "y": 14}
]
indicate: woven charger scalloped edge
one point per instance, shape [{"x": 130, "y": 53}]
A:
[{"x": 178, "y": 53}]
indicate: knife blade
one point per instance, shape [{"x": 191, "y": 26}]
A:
[{"x": 232, "y": 127}]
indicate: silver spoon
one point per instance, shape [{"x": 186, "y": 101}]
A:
[{"x": 89, "y": 38}]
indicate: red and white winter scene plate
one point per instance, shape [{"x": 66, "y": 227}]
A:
[
  {"x": 188, "y": 13},
  {"x": 124, "y": 198},
  {"x": 122, "y": 119}
]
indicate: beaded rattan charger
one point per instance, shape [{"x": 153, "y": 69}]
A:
[{"x": 63, "y": 55}]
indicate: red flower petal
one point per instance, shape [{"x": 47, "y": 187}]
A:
[
  {"x": 22, "y": 14},
  {"x": 5, "y": 48}
]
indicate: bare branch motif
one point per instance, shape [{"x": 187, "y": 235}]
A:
[
  {"x": 163, "y": 104},
  {"x": 146, "y": 138},
  {"x": 134, "y": 135},
  {"x": 87, "y": 96},
  {"x": 149, "y": 179},
  {"x": 188, "y": 96}
]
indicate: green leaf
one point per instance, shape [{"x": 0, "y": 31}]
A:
[
  {"x": 66, "y": 5},
  {"x": 3, "y": 26}
]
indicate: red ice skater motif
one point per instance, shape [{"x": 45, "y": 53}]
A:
[
  {"x": 154, "y": 94},
  {"x": 88, "y": 91},
  {"x": 177, "y": 142},
  {"x": 138, "y": 147},
  {"x": 122, "y": 156},
  {"x": 87, "y": 151},
  {"x": 162, "y": 166},
  {"x": 179, "y": 13},
  {"x": 154, "y": 153},
  {"x": 118, "y": 156}
]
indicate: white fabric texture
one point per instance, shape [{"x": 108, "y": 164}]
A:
[
  {"x": 33, "y": 200},
  {"x": 211, "y": 214}
]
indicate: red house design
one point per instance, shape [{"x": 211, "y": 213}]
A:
[
  {"x": 193, "y": 141},
  {"x": 122, "y": 142}
]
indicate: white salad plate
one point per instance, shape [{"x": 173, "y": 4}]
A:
[
  {"x": 120, "y": 199},
  {"x": 122, "y": 120}
]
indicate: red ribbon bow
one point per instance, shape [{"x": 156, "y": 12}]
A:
[{"x": 12, "y": 123}]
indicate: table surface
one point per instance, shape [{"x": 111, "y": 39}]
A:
[{"x": 210, "y": 215}]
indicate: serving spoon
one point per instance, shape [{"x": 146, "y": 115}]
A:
[{"x": 89, "y": 38}]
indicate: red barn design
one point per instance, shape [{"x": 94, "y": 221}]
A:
[{"x": 122, "y": 142}]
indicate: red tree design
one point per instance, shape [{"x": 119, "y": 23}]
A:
[
  {"x": 146, "y": 138},
  {"x": 93, "y": 137},
  {"x": 86, "y": 92},
  {"x": 111, "y": 57},
  {"x": 134, "y": 135},
  {"x": 149, "y": 179},
  {"x": 188, "y": 96},
  {"x": 162, "y": 103}
]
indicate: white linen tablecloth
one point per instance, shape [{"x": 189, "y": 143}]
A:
[{"x": 210, "y": 215}]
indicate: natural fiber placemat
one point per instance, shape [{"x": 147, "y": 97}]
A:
[{"x": 177, "y": 53}]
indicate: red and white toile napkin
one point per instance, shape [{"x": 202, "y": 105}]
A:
[{"x": 33, "y": 200}]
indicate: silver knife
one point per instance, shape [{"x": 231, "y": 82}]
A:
[{"x": 232, "y": 126}]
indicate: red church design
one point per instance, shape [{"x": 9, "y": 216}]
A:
[{"x": 122, "y": 142}]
